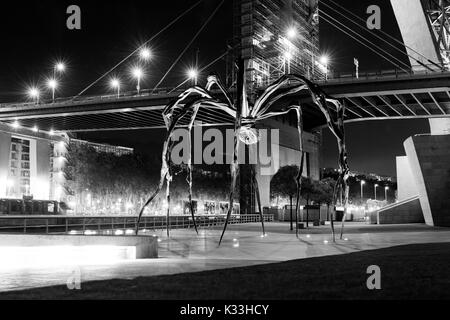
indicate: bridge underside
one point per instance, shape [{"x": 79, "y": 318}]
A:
[{"x": 376, "y": 97}]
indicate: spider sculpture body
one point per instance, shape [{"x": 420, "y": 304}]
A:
[{"x": 246, "y": 117}]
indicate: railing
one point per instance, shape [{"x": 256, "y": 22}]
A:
[{"x": 125, "y": 224}]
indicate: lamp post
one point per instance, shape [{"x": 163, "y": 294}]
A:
[
  {"x": 385, "y": 193},
  {"x": 145, "y": 54},
  {"x": 115, "y": 84},
  {"x": 324, "y": 61},
  {"x": 137, "y": 73},
  {"x": 52, "y": 84},
  {"x": 193, "y": 75},
  {"x": 376, "y": 186},
  {"x": 33, "y": 93},
  {"x": 362, "y": 185}
]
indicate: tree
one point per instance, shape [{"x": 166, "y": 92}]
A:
[
  {"x": 326, "y": 193},
  {"x": 283, "y": 184},
  {"x": 308, "y": 192}
]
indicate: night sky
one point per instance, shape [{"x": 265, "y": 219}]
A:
[{"x": 34, "y": 35}]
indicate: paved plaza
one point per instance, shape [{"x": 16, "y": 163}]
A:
[{"x": 243, "y": 245}]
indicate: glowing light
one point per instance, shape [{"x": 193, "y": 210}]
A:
[
  {"x": 44, "y": 256},
  {"x": 386, "y": 188},
  {"x": 60, "y": 67},
  {"x": 345, "y": 239},
  {"x": 52, "y": 84},
  {"x": 114, "y": 83},
  {"x": 325, "y": 241},
  {"x": 33, "y": 93},
  {"x": 35, "y": 129},
  {"x": 51, "y": 132},
  {"x": 145, "y": 54},
  {"x": 308, "y": 236},
  {"x": 16, "y": 124},
  {"x": 192, "y": 73},
  {"x": 363, "y": 182},
  {"x": 137, "y": 72},
  {"x": 324, "y": 60},
  {"x": 291, "y": 33},
  {"x": 129, "y": 232},
  {"x": 118, "y": 232}
]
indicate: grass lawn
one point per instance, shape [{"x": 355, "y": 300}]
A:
[{"x": 407, "y": 272}]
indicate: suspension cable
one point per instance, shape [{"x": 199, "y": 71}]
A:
[
  {"x": 189, "y": 44},
  {"x": 383, "y": 32},
  {"x": 367, "y": 46},
  {"x": 141, "y": 46}
]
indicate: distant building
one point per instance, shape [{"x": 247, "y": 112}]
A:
[{"x": 32, "y": 162}]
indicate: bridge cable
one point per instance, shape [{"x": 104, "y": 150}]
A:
[
  {"x": 383, "y": 32},
  {"x": 189, "y": 44},
  {"x": 140, "y": 47},
  {"x": 205, "y": 67},
  {"x": 367, "y": 46}
]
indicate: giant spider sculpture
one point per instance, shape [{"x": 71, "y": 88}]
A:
[{"x": 246, "y": 117}]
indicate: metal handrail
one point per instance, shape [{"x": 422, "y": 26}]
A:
[{"x": 91, "y": 224}]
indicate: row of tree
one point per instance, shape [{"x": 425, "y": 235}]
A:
[{"x": 283, "y": 185}]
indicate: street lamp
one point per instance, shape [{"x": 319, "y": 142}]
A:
[
  {"x": 376, "y": 186},
  {"x": 291, "y": 33},
  {"x": 33, "y": 93},
  {"x": 362, "y": 184},
  {"x": 385, "y": 192},
  {"x": 145, "y": 54},
  {"x": 52, "y": 84},
  {"x": 193, "y": 75},
  {"x": 138, "y": 74},
  {"x": 324, "y": 61},
  {"x": 60, "y": 67},
  {"x": 115, "y": 84}
]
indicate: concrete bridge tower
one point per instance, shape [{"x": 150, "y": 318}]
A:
[{"x": 425, "y": 171}]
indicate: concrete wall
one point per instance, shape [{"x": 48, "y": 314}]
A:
[
  {"x": 406, "y": 185},
  {"x": 407, "y": 212},
  {"x": 287, "y": 153},
  {"x": 439, "y": 126},
  {"x": 429, "y": 158},
  {"x": 146, "y": 246},
  {"x": 415, "y": 31}
]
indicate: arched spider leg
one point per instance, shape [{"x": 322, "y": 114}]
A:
[{"x": 172, "y": 121}]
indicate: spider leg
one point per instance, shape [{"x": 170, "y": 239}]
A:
[
  {"x": 189, "y": 166},
  {"x": 234, "y": 168},
  {"x": 300, "y": 171},
  {"x": 258, "y": 199}
]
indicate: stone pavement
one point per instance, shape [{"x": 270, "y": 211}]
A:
[{"x": 243, "y": 245}]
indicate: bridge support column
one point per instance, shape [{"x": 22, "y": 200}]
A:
[{"x": 439, "y": 126}]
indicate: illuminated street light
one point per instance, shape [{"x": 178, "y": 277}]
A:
[
  {"x": 324, "y": 60},
  {"x": 193, "y": 75},
  {"x": 35, "y": 129},
  {"x": 362, "y": 185},
  {"x": 145, "y": 54},
  {"x": 16, "y": 124},
  {"x": 115, "y": 84},
  {"x": 138, "y": 74},
  {"x": 33, "y": 93},
  {"x": 376, "y": 186},
  {"x": 52, "y": 84},
  {"x": 60, "y": 67},
  {"x": 385, "y": 192},
  {"x": 291, "y": 33}
]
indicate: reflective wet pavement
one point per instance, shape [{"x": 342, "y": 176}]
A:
[{"x": 243, "y": 245}]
